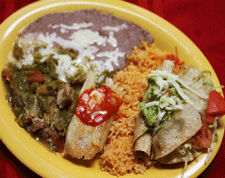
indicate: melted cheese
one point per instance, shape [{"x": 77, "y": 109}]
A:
[
  {"x": 113, "y": 58},
  {"x": 82, "y": 39},
  {"x": 66, "y": 67},
  {"x": 28, "y": 59},
  {"x": 112, "y": 40}
]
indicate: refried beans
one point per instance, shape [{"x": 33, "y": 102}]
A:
[{"x": 111, "y": 37}]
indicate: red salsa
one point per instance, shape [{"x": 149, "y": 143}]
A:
[{"x": 97, "y": 105}]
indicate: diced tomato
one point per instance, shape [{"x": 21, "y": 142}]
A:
[
  {"x": 36, "y": 76},
  {"x": 169, "y": 92},
  {"x": 203, "y": 137},
  {"x": 57, "y": 140},
  {"x": 177, "y": 62},
  {"x": 7, "y": 76},
  {"x": 216, "y": 104}
]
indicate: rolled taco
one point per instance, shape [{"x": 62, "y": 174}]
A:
[
  {"x": 173, "y": 111},
  {"x": 184, "y": 125},
  {"x": 142, "y": 141},
  {"x": 192, "y": 117}
]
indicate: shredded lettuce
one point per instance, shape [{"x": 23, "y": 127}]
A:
[
  {"x": 185, "y": 166},
  {"x": 186, "y": 150},
  {"x": 205, "y": 74},
  {"x": 214, "y": 139}
]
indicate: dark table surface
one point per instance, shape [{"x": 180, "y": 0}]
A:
[{"x": 202, "y": 21}]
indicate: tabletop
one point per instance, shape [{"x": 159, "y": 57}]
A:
[{"x": 202, "y": 21}]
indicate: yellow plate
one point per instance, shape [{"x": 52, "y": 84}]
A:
[{"x": 36, "y": 156}]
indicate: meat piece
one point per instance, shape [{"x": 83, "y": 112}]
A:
[
  {"x": 57, "y": 140},
  {"x": 44, "y": 133},
  {"x": 36, "y": 125},
  {"x": 64, "y": 97}
]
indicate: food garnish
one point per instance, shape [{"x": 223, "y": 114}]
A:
[
  {"x": 216, "y": 104},
  {"x": 94, "y": 106}
]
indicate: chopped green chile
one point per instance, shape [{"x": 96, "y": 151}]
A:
[
  {"x": 71, "y": 52},
  {"x": 35, "y": 103},
  {"x": 102, "y": 77},
  {"x": 37, "y": 48},
  {"x": 17, "y": 51},
  {"x": 78, "y": 77}
]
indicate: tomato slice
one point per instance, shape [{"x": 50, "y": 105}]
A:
[
  {"x": 216, "y": 104},
  {"x": 203, "y": 137}
]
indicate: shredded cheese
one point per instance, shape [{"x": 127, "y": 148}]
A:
[{"x": 173, "y": 79}]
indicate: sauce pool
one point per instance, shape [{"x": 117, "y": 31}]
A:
[{"x": 97, "y": 105}]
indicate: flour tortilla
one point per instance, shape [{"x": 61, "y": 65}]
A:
[
  {"x": 142, "y": 140},
  {"x": 185, "y": 124}
]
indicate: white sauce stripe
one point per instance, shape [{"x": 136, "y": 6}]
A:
[
  {"x": 74, "y": 26},
  {"x": 116, "y": 28}
]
